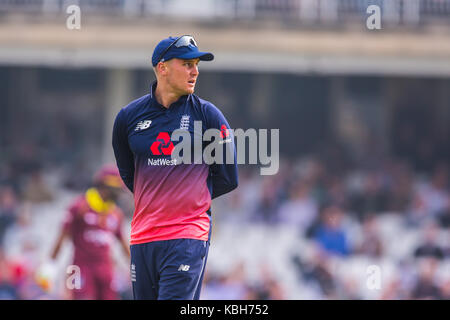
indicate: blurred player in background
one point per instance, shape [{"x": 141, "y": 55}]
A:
[
  {"x": 171, "y": 225},
  {"x": 93, "y": 220}
]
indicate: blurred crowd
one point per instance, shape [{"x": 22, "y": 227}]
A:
[
  {"x": 333, "y": 203},
  {"x": 337, "y": 205}
]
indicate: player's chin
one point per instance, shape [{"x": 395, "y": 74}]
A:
[{"x": 190, "y": 89}]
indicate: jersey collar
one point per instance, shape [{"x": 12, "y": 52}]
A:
[{"x": 155, "y": 102}]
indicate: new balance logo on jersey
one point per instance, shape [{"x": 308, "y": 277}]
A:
[
  {"x": 184, "y": 267},
  {"x": 142, "y": 125}
]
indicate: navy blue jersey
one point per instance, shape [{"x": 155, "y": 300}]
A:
[{"x": 171, "y": 199}]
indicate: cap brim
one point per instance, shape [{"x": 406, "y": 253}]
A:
[{"x": 203, "y": 56}]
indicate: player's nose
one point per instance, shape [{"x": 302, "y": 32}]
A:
[{"x": 194, "y": 71}]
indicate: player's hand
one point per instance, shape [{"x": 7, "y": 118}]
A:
[{"x": 45, "y": 275}]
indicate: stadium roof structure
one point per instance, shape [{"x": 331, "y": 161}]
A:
[{"x": 129, "y": 45}]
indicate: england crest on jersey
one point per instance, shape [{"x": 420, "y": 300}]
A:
[{"x": 184, "y": 123}]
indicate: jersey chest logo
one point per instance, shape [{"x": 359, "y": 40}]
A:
[
  {"x": 162, "y": 145},
  {"x": 184, "y": 122},
  {"x": 142, "y": 125}
]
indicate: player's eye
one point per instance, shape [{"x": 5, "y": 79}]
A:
[{"x": 190, "y": 64}]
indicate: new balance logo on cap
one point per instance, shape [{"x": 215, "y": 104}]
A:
[
  {"x": 184, "y": 267},
  {"x": 142, "y": 125}
]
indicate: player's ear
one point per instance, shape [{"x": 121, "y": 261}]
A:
[{"x": 162, "y": 68}]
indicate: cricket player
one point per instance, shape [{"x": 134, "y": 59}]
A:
[
  {"x": 171, "y": 225},
  {"x": 92, "y": 223}
]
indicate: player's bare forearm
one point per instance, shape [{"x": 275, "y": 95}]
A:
[
  {"x": 58, "y": 244},
  {"x": 125, "y": 247}
]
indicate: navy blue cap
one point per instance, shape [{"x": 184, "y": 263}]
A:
[{"x": 184, "y": 52}]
